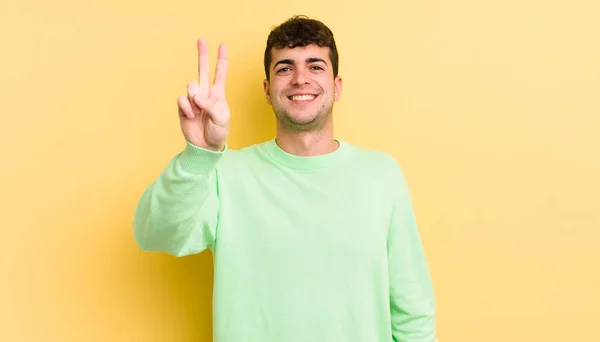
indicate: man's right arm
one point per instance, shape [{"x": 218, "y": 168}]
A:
[{"x": 178, "y": 212}]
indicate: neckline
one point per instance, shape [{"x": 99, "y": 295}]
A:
[{"x": 303, "y": 162}]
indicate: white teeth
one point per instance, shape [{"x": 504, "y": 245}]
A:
[{"x": 303, "y": 97}]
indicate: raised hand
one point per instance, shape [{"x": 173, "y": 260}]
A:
[{"x": 204, "y": 114}]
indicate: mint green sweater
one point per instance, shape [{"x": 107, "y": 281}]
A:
[{"x": 306, "y": 249}]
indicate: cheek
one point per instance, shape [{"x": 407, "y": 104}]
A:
[{"x": 275, "y": 90}]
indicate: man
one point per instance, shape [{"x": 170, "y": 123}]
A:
[{"x": 314, "y": 239}]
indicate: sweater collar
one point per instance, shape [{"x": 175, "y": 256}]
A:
[{"x": 303, "y": 162}]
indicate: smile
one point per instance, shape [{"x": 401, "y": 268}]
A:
[{"x": 302, "y": 98}]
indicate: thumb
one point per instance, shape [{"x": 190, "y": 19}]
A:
[
  {"x": 208, "y": 105},
  {"x": 203, "y": 103},
  {"x": 217, "y": 111}
]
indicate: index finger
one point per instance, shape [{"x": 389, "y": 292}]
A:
[
  {"x": 202, "y": 64},
  {"x": 221, "y": 72}
]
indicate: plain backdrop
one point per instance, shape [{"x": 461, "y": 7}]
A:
[{"x": 492, "y": 109}]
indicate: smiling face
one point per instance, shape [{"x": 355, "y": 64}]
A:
[{"x": 302, "y": 87}]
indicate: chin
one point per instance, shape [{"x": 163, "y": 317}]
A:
[
  {"x": 303, "y": 123},
  {"x": 302, "y": 118}
]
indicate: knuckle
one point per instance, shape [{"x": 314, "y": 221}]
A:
[{"x": 192, "y": 88}]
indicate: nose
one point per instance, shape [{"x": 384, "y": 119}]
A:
[{"x": 300, "y": 77}]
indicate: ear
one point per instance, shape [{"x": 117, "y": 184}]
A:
[
  {"x": 266, "y": 90},
  {"x": 338, "y": 88}
]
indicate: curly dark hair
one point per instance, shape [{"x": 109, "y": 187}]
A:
[{"x": 301, "y": 31}]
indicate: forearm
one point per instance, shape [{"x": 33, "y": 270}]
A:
[
  {"x": 177, "y": 213},
  {"x": 413, "y": 306}
]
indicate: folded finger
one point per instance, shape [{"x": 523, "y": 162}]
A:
[
  {"x": 185, "y": 107},
  {"x": 193, "y": 90}
]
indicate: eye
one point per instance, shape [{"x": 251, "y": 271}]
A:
[
  {"x": 317, "y": 67},
  {"x": 284, "y": 69}
]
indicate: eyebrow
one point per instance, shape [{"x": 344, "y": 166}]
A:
[{"x": 308, "y": 60}]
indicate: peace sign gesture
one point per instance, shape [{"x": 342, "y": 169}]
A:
[{"x": 204, "y": 114}]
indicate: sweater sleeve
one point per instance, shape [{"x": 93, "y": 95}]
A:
[
  {"x": 412, "y": 302},
  {"x": 178, "y": 212}
]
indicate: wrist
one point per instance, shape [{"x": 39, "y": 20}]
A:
[{"x": 200, "y": 159}]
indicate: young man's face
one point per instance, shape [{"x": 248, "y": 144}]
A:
[{"x": 302, "y": 87}]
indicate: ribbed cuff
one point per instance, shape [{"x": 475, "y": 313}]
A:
[{"x": 199, "y": 160}]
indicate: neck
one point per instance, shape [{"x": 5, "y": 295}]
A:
[{"x": 306, "y": 144}]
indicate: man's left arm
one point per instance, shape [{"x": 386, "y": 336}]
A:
[{"x": 412, "y": 301}]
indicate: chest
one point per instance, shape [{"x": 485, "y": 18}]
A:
[{"x": 305, "y": 217}]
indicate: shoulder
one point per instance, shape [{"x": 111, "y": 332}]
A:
[
  {"x": 381, "y": 170},
  {"x": 379, "y": 167},
  {"x": 374, "y": 159}
]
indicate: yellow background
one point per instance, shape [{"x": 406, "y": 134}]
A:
[{"x": 492, "y": 108}]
